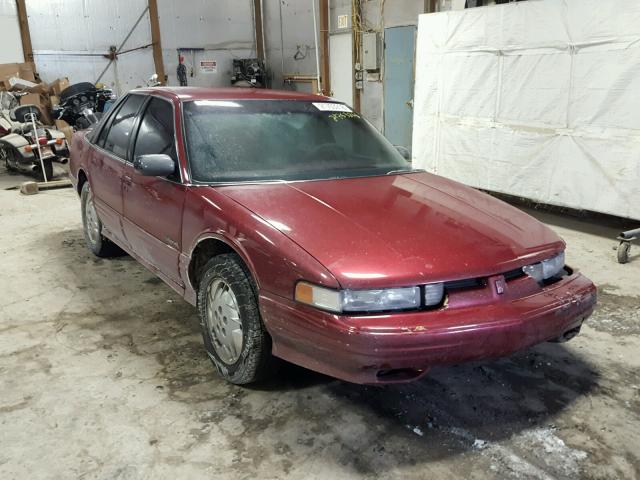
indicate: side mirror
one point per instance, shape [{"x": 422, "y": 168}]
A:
[
  {"x": 404, "y": 151},
  {"x": 156, "y": 165}
]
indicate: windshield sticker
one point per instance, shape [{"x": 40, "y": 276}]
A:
[
  {"x": 331, "y": 107},
  {"x": 336, "y": 117}
]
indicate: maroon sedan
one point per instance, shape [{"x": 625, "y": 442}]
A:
[{"x": 299, "y": 232}]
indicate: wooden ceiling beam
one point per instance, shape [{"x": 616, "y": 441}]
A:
[
  {"x": 25, "y": 36},
  {"x": 156, "y": 41}
]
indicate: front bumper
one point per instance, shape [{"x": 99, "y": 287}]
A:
[{"x": 388, "y": 348}]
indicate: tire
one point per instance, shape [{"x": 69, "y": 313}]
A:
[
  {"x": 225, "y": 281},
  {"x": 6, "y": 154},
  {"x": 92, "y": 227},
  {"x": 48, "y": 170},
  {"x": 623, "y": 252}
]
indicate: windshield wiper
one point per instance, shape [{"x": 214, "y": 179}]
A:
[{"x": 402, "y": 170}]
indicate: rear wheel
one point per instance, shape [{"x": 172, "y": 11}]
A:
[
  {"x": 7, "y": 156},
  {"x": 92, "y": 226},
  {"x": 232, "y": 330},
  {"x": 48, "y": 170}
]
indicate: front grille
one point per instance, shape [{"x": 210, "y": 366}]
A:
[
  {"x": 513, "y": 274},
  {"x": 481, "y": 282},
  {"x": 465, "y": 284}
]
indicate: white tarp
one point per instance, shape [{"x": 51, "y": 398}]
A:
[{"x": 539, "y": 99}]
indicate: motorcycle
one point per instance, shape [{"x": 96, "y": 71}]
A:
[
  {"x": 82, "y": 104},
  {"x": 28, "y": 146}
]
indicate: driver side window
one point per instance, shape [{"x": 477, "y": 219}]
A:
[
  {"x": 156, "y": 134},
  {"x": 117, "y": 138}
]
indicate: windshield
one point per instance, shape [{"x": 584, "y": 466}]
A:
[{"x": 254, "y": 140}]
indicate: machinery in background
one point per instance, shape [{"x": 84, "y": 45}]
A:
[
  {"x": 28, "y": 146},
  {"x": 153, "y": 81},
  {"x": 248, "y": 72},
  {"x": 624, "y": 248},
  {"x": 82, "y": 104}
]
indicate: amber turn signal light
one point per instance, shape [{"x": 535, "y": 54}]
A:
[{"x": 304, "y": 292}]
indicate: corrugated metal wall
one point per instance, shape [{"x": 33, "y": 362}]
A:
[
  {"x": 297, "y": 37},
  {"x": 66, "y": 32},
  {"x": 225, "y": 30},
  {"x": 11, "y": 51}
]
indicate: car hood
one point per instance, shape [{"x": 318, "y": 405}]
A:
[{"x": 400, "y": 229}]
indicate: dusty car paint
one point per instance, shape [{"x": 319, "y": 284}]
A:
[{"x": 393, "y": 230}]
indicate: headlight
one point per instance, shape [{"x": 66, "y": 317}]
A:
[
  {"x": 375, "y": 300},
  {"x": 546, "y": 269},
  {"x": 379, "y": 300}
]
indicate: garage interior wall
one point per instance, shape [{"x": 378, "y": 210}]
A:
[
  {"x": 378, "y": 15},
  {"x": 220, "y": 30},
  {"x": 534, "y": 99},
  {"x": 290, "y": 45},
  {"x": 11, "y": 51},
  {"x": 70, "y": 37}
]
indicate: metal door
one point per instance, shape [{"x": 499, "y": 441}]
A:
[{"x": 399, "y": 47}]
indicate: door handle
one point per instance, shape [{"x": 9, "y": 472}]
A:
[{"x": 127, "y": 181}]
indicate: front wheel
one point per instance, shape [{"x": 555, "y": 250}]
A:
[
  {"x": 234, "y": 336},
  {"x": 92, "y": 226}
]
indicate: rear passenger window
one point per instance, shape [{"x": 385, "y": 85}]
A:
[{"x": 117, "y": 140}]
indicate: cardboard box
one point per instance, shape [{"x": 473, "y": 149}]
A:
[
  {"x": 7, "y": 71},
  {"x": 42, "y": 88},
  {"x": 28, "y": 71},
  {"x": 18, "y": 83},
  {"x": 65, "y": 128},
  {"x": 41, "y": 101},
  {"x": 30, "y": 99},
  {"x": 57, "y": 86},
  {"x": 25, "y": 71},
  {"x": 60, "y": 124},
  {"x": 54, "y": 100}
]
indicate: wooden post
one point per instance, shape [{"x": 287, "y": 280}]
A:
[
  {"x": 155, "y": 40},
  {"x": 324, "y": 47},
  {"x": 24, "y": 31},
  {"x": 257, "y": 14}
]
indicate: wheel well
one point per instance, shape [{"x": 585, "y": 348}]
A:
[
  {"x": 205, "y": 251},
  {"x": 82, "y": 177}
]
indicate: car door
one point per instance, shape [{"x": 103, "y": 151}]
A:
[
  {"x": 106, "y": 165},
  {"x": 153, "y": 205}
]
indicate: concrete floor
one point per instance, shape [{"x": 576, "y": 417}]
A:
[{"x": 103, "y": 375}]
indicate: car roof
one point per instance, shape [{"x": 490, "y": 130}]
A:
[{"x": 231, "y": 93}]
